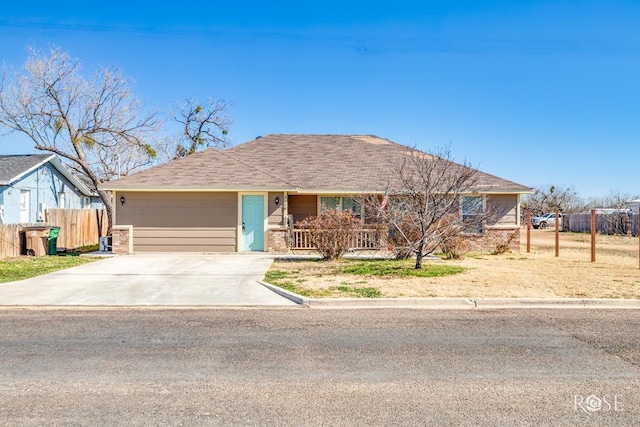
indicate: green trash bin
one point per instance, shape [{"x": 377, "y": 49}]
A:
[{"x": 53, "y": 240}]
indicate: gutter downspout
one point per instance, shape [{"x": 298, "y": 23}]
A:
[{"x": 37, "y": 194}]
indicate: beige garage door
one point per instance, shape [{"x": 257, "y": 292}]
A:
[{"x": 180, "y": 222}]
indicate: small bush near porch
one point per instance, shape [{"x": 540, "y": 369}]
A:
[{"x": 331, "y": 232}]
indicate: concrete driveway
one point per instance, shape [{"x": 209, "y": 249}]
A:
[{"x": 151, "y": 280}]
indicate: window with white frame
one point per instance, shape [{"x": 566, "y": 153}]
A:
[
  {"x": 343, "y": 204},
  {"x": 472, "y": 212}
]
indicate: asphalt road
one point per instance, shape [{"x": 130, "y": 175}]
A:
[{"x": 319, "y": 367}]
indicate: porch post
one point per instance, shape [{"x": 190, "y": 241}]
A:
[
  {"x": 285, "y": 220},
  {"x": 285, "y": 209}
]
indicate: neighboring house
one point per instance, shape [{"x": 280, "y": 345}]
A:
[
  {"x": 31, "y": 183},
  {"x": 250, "y": 197}
]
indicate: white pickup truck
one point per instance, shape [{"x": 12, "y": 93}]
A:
[{"x": 546, "y": 220}]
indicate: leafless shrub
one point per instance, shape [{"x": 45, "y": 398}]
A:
[
  {"x": 454, "y": 247},
  {"x": 397, "y": 240},
  {"x": 503, "y": 244},
  {"x": 331, "y": 232}
]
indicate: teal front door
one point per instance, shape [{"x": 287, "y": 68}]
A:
[{"x": 252, "y": 223}]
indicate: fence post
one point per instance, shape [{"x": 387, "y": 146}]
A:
[
  {"x": 593, "y": 235},
  {"x": 528, "y": 231},
  {"x": 557, "y": 233}
]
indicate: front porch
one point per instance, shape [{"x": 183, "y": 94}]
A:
[
  {"x": 287, "y": 236},
  {"x": 285, "y": 240}
]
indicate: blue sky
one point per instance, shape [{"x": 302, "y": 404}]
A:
[{"x": 539, "y": 92}]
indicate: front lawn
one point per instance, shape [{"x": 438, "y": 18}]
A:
[
  {"x": 397, "y": 268},
  {"x": 26, "y": 267},
  {"x": 349, "y": 278},
  {"x": 539, "y": 274}
]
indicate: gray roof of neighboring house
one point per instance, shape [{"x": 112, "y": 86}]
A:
[
  {"x": 13, "y": 167},
  {"x": 291, "y": 162}
]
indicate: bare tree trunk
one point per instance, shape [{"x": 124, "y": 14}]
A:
[
  {"x": 108, "y": 207},
  {"x": 419, "y": 256}
]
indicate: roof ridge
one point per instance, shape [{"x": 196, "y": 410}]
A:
[
  {"x": 27, "y": 155},
  {"x": 320, "y": 134},
  {"x": 362, "y": 137}
]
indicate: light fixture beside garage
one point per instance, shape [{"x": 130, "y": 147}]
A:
[
  {"x": 122, "y": 200},
  {"x": 277, "y": 200}
]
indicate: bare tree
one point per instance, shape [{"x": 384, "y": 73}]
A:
[
  {"x": 95, "y": 124},
  {"x": 554, "y": 198},
  {"x": 615, "y": 208},
  {"x": 613, "y": 200},
  {"x": 423, "y": 204},
  {"x": 204, "y": 125}
]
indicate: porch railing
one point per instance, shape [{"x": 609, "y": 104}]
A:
[{"x": 360, "y": 240}]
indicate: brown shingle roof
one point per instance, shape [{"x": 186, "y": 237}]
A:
[
  {"x": 332, "y": 163},
  {"x": 208, "y": 169}
]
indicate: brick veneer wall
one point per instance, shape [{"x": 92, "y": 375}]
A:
[
  {"x": 122, "y": 239},
  {"x": 278, "y": 240},
  {"x": 488, "y": 241}
]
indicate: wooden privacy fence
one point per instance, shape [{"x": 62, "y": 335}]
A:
[
  {"x": 78, "y": 227},
  {"x": 606, "y": 223},
  {"x": 10, "y": 240}
]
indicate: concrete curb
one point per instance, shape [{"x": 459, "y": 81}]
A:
[
  {"x": 435, "y": 303},
  {"x": 298, "y": 299},
  {"x": 488, "y": 303},
  {"x": 455, "y": 303},
  {"x": 143, "y": 307}
]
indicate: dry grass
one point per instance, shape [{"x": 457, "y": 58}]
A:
[{"x": 615, "y": 274}]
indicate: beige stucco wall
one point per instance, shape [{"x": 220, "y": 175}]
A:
[
  {"x": 275, "y": 211},
  {"x": 502, "y": 209}
]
